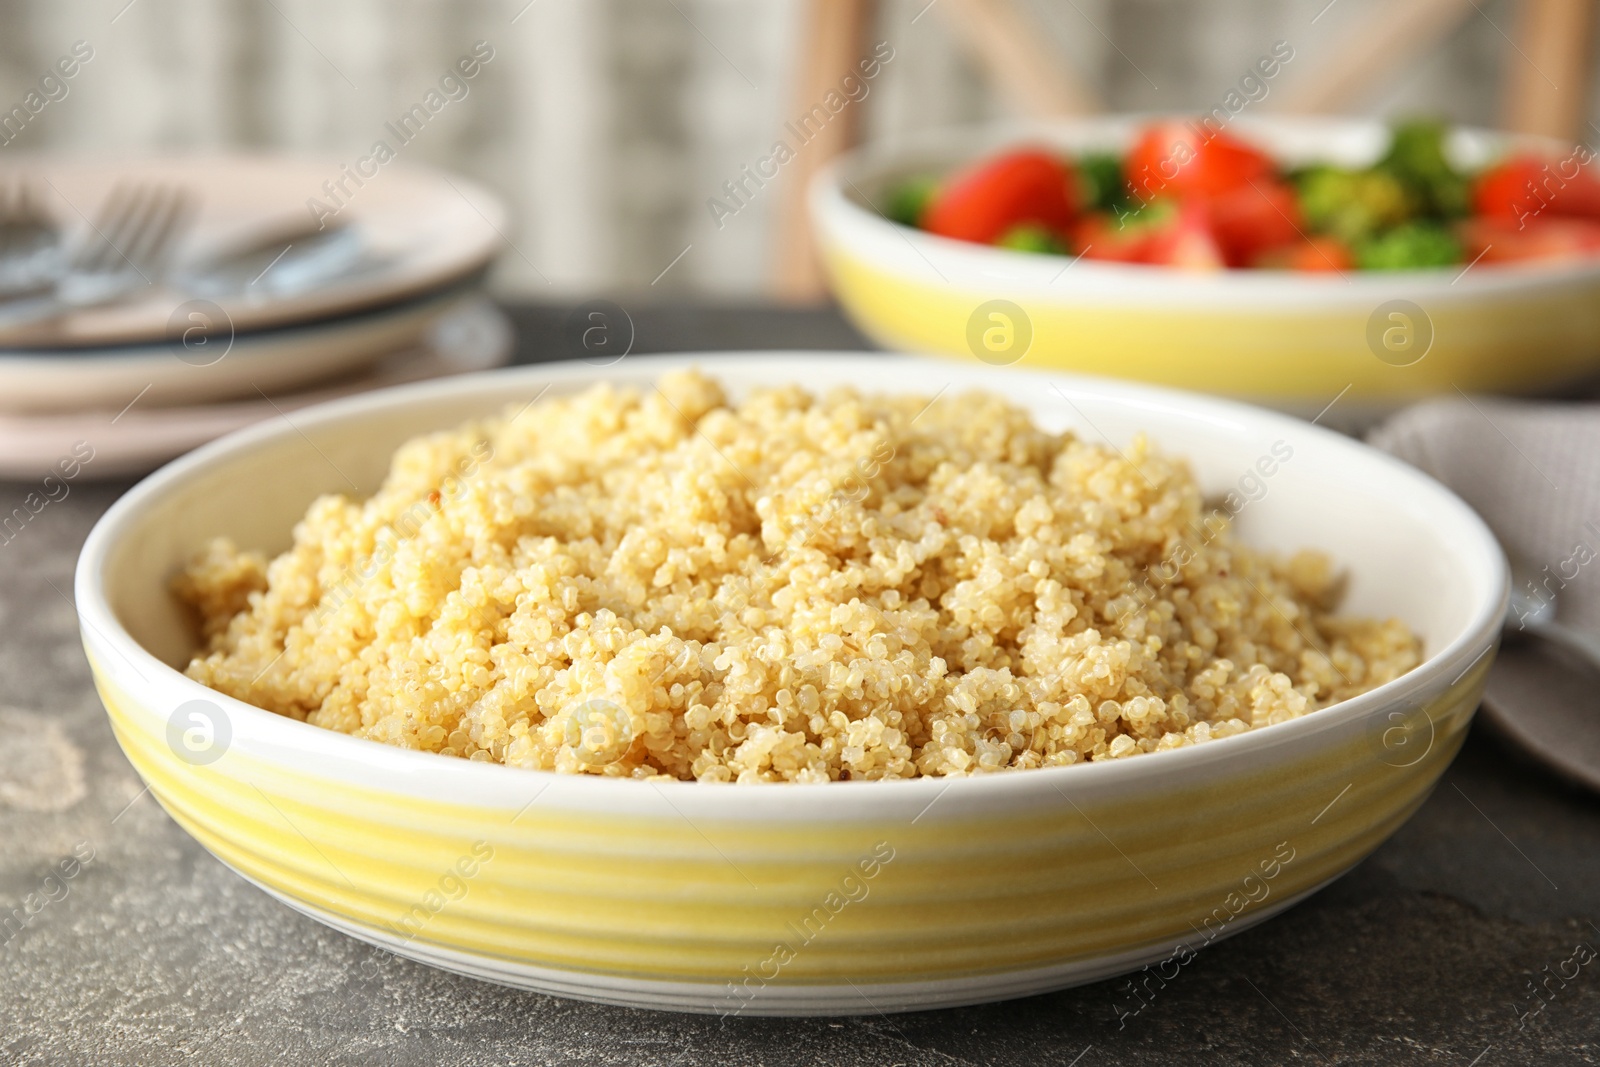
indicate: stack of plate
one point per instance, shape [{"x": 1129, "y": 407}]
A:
[{"x": 148, "y": 307}]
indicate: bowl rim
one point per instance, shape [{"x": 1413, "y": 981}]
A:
[
  {"x": 415, "y": 771},
  {"x": 985, "y": 266}
]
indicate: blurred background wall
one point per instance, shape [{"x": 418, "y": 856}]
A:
[{"x": 606, "y": 124}]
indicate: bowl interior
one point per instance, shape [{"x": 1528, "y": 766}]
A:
[{"x": 1411, "y": 548}]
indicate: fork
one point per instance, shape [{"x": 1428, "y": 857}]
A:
[
  {"x": 124, "y": 249},
  {"x": 128, "y": 245},
  {"x": 30, "y": 243}
]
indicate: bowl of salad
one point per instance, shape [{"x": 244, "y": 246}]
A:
[{"x": 1286, "y": 260}]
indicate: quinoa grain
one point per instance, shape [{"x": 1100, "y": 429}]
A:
[{"x": 786, "y": 589}]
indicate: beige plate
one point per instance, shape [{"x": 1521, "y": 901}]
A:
[
  {"x": 475, "y": 335},
  {"x": 222, "y": 368},
  {"x": 427, "y": 230}
]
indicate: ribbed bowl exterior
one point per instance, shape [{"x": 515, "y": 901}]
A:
[
  {"x": 1514, "y": 342},
  {"x": 936, "y": 898}
]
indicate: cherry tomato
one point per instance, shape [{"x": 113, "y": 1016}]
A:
[
  {"x": 1314, "y": 255},
  {"x": 1544, "y": 237},
  {"x": 1099, "y": 235},
  {"x": 1504, "y": 190},
  {"x": 1024, "y": 186},
  {"x": 1252, "y": 218},
  {"x": 1527, "y": 186},
  {"x": 1183, "y": 159},
  {"x": 1165, "y": 232},
  {"x": 1188, "y": 243}
]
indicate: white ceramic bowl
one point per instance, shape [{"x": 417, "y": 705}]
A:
[{"x": 796, "y": 899}]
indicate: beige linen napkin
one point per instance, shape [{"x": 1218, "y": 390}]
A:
[{"x": 1532, "y": 470}]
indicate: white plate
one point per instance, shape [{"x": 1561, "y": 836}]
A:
[
  {"x": 475, "y": 335},
  {"x": 421, "y": 228},
  {"x": 215, "y": 366}
]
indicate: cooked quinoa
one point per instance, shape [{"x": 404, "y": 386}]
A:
[{"x": 784, "y": 589}]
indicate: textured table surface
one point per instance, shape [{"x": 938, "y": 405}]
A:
[{"x": 154, "y": 953}]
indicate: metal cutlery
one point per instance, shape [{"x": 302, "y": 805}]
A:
[
  {"x": 1533, "y": 616},
  {"x": 278, "y": 261},
  {"x": 125, "y": 248},
  {"x": 1544, "y": 688},
  {"x": 30, "y": 243},
  {"x": 129, "y": 243}
]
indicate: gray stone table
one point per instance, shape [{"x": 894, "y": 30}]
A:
[{"x": 154, "y": 953}]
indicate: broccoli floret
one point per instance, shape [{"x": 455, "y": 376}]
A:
[
  {"x": 1151, "y": 215},
  {"x": 1409, "y": 247},
  {"x": 1103, "y": 182},
  {"x": 1417, "y": 159},
  {"x": 908, "y": 200},
  {"x": 1353, "y": 205},
  {"x": 1029, "y": 237}
]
